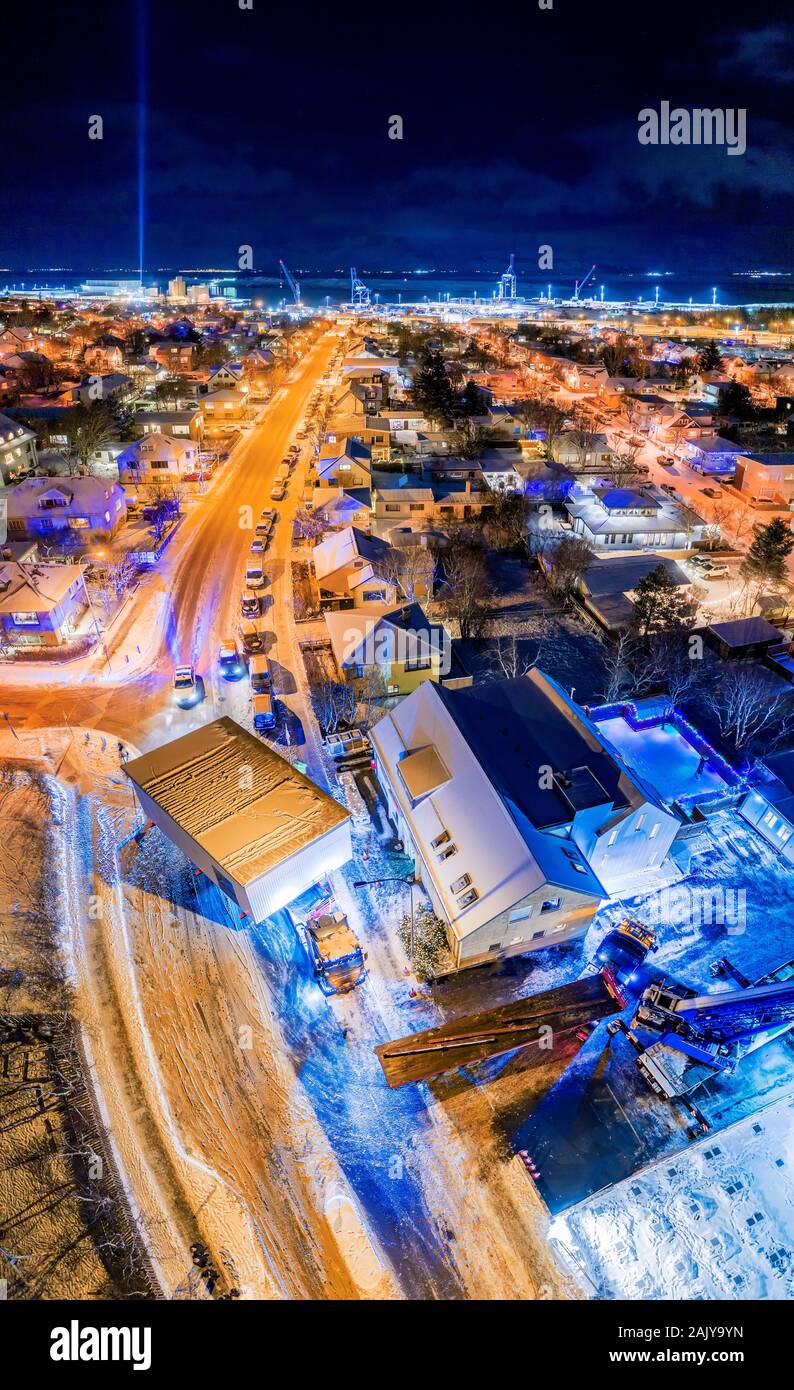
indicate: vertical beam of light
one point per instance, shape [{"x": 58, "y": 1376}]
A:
[{"x": 141, "y": 130}]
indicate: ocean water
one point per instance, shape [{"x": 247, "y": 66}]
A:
[{"x": 645, "y": 287}]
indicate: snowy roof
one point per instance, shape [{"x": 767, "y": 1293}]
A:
[
  {"x": 36, "y": 588},
  {"x": 505, "y": 854},
  {"x": 250, "y": 824},
  {"x": 743, "y": 632},
  {"x": 345, "y": 547}
]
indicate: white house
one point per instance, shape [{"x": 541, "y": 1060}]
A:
[
  {"x": 159, "y": 458},
  {"x": 260, "y": 829},
  {"x": 626, "y": 518},
  {"x": 520, "y": 818}
]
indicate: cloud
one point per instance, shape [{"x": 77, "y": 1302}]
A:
[{"x": 767, "y": 53}]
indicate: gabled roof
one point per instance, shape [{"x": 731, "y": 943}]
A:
[
  {"x": 345, "y": 547},
  {"x": 517, "y": 727},
  {"x": 35, "y": 588}
]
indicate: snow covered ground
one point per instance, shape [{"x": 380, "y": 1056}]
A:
[{"x": 714, "y": 1222}]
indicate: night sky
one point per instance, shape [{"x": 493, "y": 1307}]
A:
[{"x": 268, "y": 127}]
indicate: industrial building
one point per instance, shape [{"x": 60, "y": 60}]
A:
[{"x": 260, "y": 829}]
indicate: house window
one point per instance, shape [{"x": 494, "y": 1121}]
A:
[
  {"x": 441, "y": 839},
  {"x": 447, "y": 853},
  {"x": 612, "y": 838},
  {"x": 783, "y": 831},
  {"x": 770, "y": 819},
  {"x": 551, "y": 905},
  {"x": 520, "y": 915},
  {"x": 461, "y": 883},
  {"x": 536, "y": 934},
  {"x": 468, "y": 898},
  {"x": 516, "y": 941},
  {"x": 640, "y": 821},
  {"x": 655, "y": 829}
]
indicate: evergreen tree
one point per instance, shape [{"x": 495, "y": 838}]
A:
[
  {"x": 710, "y": 358},
  {"x": 432, "y": 391},
  {"x": 659, "y": 604},
  {"x": 768, "y": 552}
]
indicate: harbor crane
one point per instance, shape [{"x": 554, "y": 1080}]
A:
[
  {"x": 580, "y": 284},
  {"x": 360, "y": 296},
  {"x": 293, "y": 284},
  {"x": 508, "y": 283}
]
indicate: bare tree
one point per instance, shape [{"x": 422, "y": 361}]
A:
[
  {"x": 466, "y": 587},
  {"x": 567, "y": 562},
  {"x": 618, "y": 668},
  {"x": 749, "y": 709},
  {"x": 413, "y": 569}
]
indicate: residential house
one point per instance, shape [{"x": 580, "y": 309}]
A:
[
  {"x": 40, "y": 605},
  {"x": 401, "y": 642},
  {"x": 766, "y": 477},
  {"x": 712, "y": 454},
  {"x": 158, "y": 458},
  {"x": 769, "y": 804},
  {"x": 560, "y": 823},
  {"x": 113, "y": 389},
  {"x": 17, "y": 449},
  {"x": 175, "y": 354},
  {"x": 347, "y": 463},
  {"x": 422, "y": 508},
  {"x": 224, "y": 407},
  {"x": 228, "y": 376},
  {"x": 338, "y": 507},
  {"x": 501, "y": 469},
  {"x": 608, "y": 586},
  {"x": 105, "y": 356},
  {"x": 15, "y": 340},
  {"x": 625, "y": 519},
  {"x": 182, "y": 424},
  {"x": 582, "y": 451},
  {"x": 354, "y": 570},
  {"x": 79, "y": 510}
]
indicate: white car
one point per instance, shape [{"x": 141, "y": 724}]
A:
[{"x": 187, "y": 686}]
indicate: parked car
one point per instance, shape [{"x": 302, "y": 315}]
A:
[
  {"x": 709, "y": 492},
  {"x": 230, "y": 660},
  {"x": 668, "y": 488},
  {"x": 264, "y": 713},
  {"x": 260, "y": 675},
  {"x": 254, "y": 574},
  {"x": 668, "y": 462},
  {"x": 249, "y": 604},
  {"x": 278, "y": 491},
  {"x": 188, "y": 687},
  {"x": 267, "y": 517}
]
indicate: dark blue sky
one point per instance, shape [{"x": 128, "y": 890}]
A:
[{"x": 268, "y": 127}]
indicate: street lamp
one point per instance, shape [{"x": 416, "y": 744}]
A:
[{"x": 393, "y": 878}]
